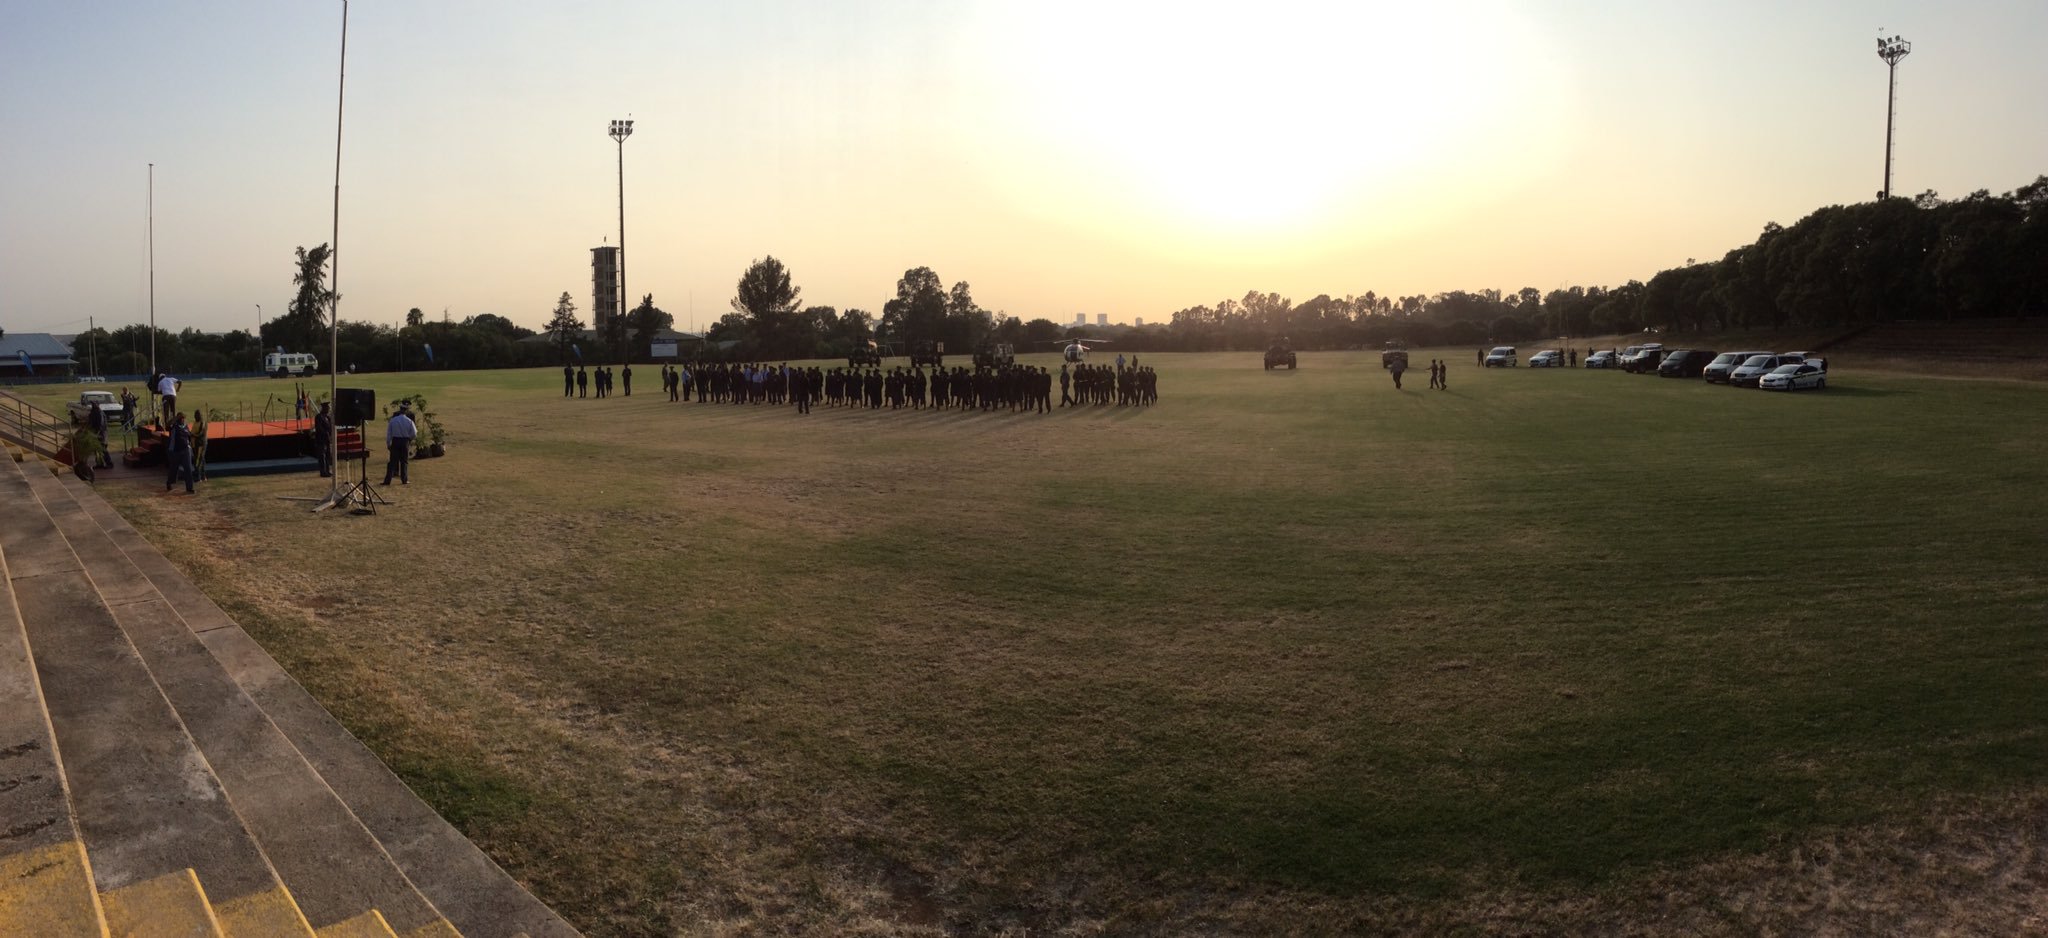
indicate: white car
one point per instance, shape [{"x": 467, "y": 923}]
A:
[
  {"x": 1747, "y": 373},
  {"x": 103, "y": 401},
  {"x": 1601, "y": 359},
  {"x": 1501, "y": 357},
  {"x": 1794, "y": 376},
  {"x": 1548, "y": 358}
]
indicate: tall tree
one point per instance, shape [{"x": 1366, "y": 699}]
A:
[
  {"x": 769, "y": 300},
  {"x": 305, "y": 320},
  {"x": 918, "y": 313},
  {"x": 414, "y": 317},
  {"x": 565, "y": 327},
  {"x": 648, "y": 319}
]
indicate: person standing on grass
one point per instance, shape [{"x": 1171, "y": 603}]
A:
[
  {"x": 1443, "y": 377},
  {"x": 582, "y": 382},
  {"x": 398, "y": 435},
  {"x": 1398, "y": 367},
  {"x": 568, "y": 381},
  {"x": 323, "y": 439},
  {"x": 97, "y": 420},
  {"x": 178, "y": 454},
  {"x": 627, "y": 376}
]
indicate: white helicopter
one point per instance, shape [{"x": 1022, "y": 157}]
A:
[{"x": 1077, "y": 349}]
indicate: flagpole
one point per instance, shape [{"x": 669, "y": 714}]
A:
[{"x": 334, "y": 276}]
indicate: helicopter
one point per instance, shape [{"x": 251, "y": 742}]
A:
[{"x": 1077, "y": 350}]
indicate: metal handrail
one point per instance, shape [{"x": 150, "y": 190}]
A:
[{"x": 24, "y": 424}]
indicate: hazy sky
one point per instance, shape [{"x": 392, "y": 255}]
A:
[{"x": 1061, "y": 156}]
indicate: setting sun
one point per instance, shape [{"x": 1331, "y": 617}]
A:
[{"x": 1263, "y": 123}]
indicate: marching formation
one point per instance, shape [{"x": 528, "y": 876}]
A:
[{"x": 1025, "y": 388}]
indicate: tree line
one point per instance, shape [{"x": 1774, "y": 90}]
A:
[{"x": 1843, "y": 266}]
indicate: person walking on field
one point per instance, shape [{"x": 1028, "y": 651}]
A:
[
  {"x": 1399, "y": 366},
  {"x": 398, "y": 435}
]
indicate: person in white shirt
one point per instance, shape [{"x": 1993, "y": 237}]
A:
[
  {"x": 398, "y": 435},
  {"x": 168, "y": 389}
]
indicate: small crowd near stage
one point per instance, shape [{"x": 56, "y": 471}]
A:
[{"x": 1012, "y": 387}]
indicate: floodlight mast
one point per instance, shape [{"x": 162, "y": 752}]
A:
[
  {"x": 620, "y": 131},
  {"x": 1891, "y": 51}
]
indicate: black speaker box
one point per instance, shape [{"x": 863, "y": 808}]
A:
[{"x": 355, "y": 407}]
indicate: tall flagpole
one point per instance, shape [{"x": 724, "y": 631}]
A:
[
  {"x": 152, "y": 286},
  {"x": 334, "y": 273}
]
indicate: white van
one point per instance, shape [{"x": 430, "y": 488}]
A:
[{"x": 286, "y": 364}]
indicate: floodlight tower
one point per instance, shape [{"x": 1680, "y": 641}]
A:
[
  {"x": 1891, "y": 51},
  {"x": 620, "y": 131}
]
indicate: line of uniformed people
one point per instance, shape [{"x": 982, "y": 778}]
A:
[{"x": 1009, "y": 387}]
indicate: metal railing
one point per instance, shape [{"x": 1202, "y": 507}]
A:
[{"x": 35, "y": 429}]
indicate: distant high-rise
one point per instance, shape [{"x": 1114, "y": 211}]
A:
[
  {"x": 1102, "y": 319},
  {"x": 604, "y": 285},
  {"x": 1140, "y": 321},
  {"x": 1080, "y": 319}
]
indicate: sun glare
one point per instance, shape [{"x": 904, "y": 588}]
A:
[{"x": 1248, "y": 118}]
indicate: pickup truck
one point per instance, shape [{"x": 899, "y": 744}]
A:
[{"x": 105, "y": 401}]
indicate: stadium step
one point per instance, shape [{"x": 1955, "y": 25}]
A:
[
  {"x": 145, "y": 802},
  {"x": 45, "y": 881},
  {"x": 470, "y": 893},
  {"x": 171, "y": 904},
  {"x": 325, "y": 858}
]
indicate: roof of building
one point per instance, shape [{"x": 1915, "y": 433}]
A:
[{"x": 42, "y": 348}]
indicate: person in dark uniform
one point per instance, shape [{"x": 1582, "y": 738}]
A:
[
  {"x": 582, "y": 382},
  {"x": 1400, "y": 365},
  {"x": 1443, "y": 376},
  {"x": 178, "y": 454},
  {"x": 568, "y": 381},
  {"x": 96, "y": 419},
  {"x": 1481, "y": 360},
  {"x": 323, "y": 439},
  {"x": 626, "y": 377},
  {"x": 800, "y": 390}
]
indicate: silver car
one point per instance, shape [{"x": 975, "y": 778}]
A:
[{"x": 1756, "y": 366}]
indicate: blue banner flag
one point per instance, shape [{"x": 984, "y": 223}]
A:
[
  {"x": 430, "y": 353},
  {"x": 573, "y": 347},
  {"x": 31, "y": 366}
]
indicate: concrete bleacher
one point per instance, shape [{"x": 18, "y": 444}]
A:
[{"x": 161, "y": 775}]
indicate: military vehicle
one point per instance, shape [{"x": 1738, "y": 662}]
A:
[
  {"x": 1392, "y": 355},
  {"x": 871, "y": 354},
  {"x": 928, "y": 353},
  {"x": 1280, "y": 355},
  {"x": 994, "y": 355}
]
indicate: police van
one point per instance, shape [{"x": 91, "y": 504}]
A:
[{"x": 286, "y": 364}]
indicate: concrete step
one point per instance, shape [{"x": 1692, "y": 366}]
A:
[
  {"x": 45, "y": 880},
  {"x": 170, "y": 906},
  {"x": 145, "y": 801},
  {"x": 325, "y": 858},
  {"x": 470, "y": 890},
  {"x": 367, "y": 925}
]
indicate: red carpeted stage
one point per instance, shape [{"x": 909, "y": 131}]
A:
[{"x": 239, "y": 447}]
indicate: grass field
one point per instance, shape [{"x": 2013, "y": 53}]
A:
[{"x": 1289, "y": 653}]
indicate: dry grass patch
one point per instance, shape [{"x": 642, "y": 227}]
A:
[{"x": 1289, "y": 653}]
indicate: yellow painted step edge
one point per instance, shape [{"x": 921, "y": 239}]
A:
[
  {"x": 48, "y": 891},
  {"x": 367, "y": 925},
  {"x": 272, "y": 913},
  {"x": 170, "y": 906},
  {"x": 438, "y": 928}
]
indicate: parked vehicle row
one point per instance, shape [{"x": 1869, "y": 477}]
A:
[
  {"x": 1747, "y": 369},
  {"x": 1775, "y": 371}
]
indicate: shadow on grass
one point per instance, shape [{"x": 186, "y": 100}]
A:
[{"x": 1836, "y": 390}]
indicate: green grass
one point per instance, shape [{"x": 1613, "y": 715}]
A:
[{"x": 1288, "y": 635}]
